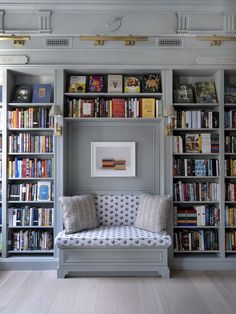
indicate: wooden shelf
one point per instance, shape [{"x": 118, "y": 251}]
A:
[
  {"x": 196, "y": 105},
  {"x": 112, "y": 119},
  {"x": 31, "y": 252},
  {"x": 196, "y": 177},
  {"x": 30, "y": 202},
  {"x": 30, "y": 154},
  {"x": 195, "y": 202},
  {"x": 29, "y": 105},
  {"x": 31, "y": 179},
  {"x": 31, "y": 129},
  {"x": 30, "y": 227},
  {"x": 196, "y": 129},
  {"x": 196, "y": 154},
  {"x": 198, "y": 252},
  {"x": 196, "y": 227}
]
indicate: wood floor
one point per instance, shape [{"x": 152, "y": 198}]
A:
[{"x": 185, "y": 293}]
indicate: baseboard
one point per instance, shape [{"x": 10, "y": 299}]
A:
[
  {"x": 27, "y": 263},
  {"x": 203, "y": 264}
]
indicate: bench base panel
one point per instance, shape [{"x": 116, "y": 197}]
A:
[{"x": 113, "y": 262}]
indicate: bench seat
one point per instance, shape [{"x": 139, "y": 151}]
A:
[{"x": 115, "y": 236}]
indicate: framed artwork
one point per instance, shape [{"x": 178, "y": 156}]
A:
[
  {"x": 114, "y": 83},
  {"x": 44, "y": 191},
  {"x": 183, "y": 93},
  {"x": 205, "y": 92},
  {"x": 132, "y": 84},
  {"x": 96, "y": 83},
  {"x": 151, "y": 83},
  {"x": 113, "y": 159},
  {"x": 23, "y": 94},
  {"x": 42, "y": 93},
  {"x": 77, "y": 84}
]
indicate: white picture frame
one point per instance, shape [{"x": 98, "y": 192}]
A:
[{"x": 125, "y": 152}]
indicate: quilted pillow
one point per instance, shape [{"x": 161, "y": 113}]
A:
[
  {"x": 152, "y": 212},
  {"x": 79, "y": 213}
]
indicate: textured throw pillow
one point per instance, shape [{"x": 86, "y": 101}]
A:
[
  {"x": 79, "y": 213},
  {"x": 152, "y": 212}
]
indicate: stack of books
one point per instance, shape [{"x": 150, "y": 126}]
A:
[{"x": 115, "y": 164}]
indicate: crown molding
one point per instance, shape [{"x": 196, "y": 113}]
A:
[{"x": 121, "y": 5}]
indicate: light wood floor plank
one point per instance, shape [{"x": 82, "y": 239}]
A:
[
  {"x": 86, "y": 296},
  {"x": 4, "y": 275},
  {"x": 107, "y": 296},
  {"x": 128, "y": 298},
  {"x": 12, "y": 286}
]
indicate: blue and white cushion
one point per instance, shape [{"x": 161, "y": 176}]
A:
[{"x": 117, "y": 236}]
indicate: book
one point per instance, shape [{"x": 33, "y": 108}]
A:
[
  {"x": 0, "y": 93},
  {"x": 77, "y": 84},
  {"x": 23, "y": 94},
  {"x": 132, "y": 84},
  {"x": 118, "y": 108},
  {"x": 114, "y": 83},
  {"x": 200, "y": 168},
  {"x": 151, "y": 83},
  {"x": 42, "y": 93},
  {"x": 148, "y": 109},
  {"x": 87, "y": 107},
  {"x": 205, "y": 92},
  {"x": 96, "y": 83},
  {"x": 230, "y": 94},
  {"x": 119, "y": 167},
  {"x": 183, "y": 93},
  {"x": 44, "y": 191}
]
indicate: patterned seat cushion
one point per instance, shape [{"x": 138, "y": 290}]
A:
[{"x": 118, "y": 236}]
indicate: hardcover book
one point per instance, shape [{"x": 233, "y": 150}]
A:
[
  {"x": 132, "y": 84},
  {"x": 118, "y": 108},
  {"x": 0, "y": 93},
  {"x": 96, "y": 84},
  {"x": 183, "y": 93},
  {"x": 230, "y": 94},
  {"x": 151, "y": 83},
  {"x": 23, "y": 94},
  {"x": 200, "y": 168},
  {"x": 148, "y": 107},
  {"x": 77, "y": 84},
  {"x": 42, "y": 93},
  {"x": 44, "y": 191},
  {"x": 205, "y": 92},
  {"x": 114, "y": 84}
]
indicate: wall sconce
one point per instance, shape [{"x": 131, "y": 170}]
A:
[
  {"x": 170, "y": 116},
  {"x": 99, "y": 40},
  {"x": 56, "y": 112},
  {"x": 17, "y": 40}
]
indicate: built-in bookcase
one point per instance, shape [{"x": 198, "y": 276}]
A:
[
  {"x": 230, "y": 162},
  {"x": 103, "y": 102},
  {"x": 1, "y": 138},
  {"x": 197, "y": 169},
  {"x": 30, "y": 165}
]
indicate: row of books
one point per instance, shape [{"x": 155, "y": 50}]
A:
[
  {"x": 0, "y": 168},
  {"x": 0, "y": 143},
  {"x": 230, "y": 240},
  {"x": 230, "y": 119},
  {"x": 201, "y": 215},
  {"x": 230, "y": 216},
  {"x": 31, "y": 168},
  {"x": 230, "y": 94},
  {"x": 30, "y": 216},
  {"x": 30, "y": 118},
  {"x": 196, "y": 119},
  {"x": 40, "y": 191},
  {"x": 230, "y": 191},
  {"x": 115, "y": 83},
  {"x": 196, "y": 240},
  {"x": 197, "y": 191},
  {"x": 0, "y": 215},
  {"x": 201, "y": 92},
  {"x": 230, "y": 167},
  {"x": 230, "y": 144},
  {"x": 195, "y": 167},
  {"x": 30, "y": 143},
  {"x": 30, "y": 240},
  {"x": 196, "y": 143},
  {"x": 113, "y": 108}
]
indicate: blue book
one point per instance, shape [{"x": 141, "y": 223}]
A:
[
  {"x": 42, "y": 93},
  {"x": 200, "y": 168}
]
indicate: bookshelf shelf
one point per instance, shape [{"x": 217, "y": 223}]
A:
[
  {"x": 196, "y": 177},
  {"x": 31, "y": 154},
  {"x": 138, "y": 119},
  {"x": 196, "y": 202},
  {"x": 32, "y": 179},
  {"x": 196, "y": 227},
  {"x": 31, "y": 227},
  {"x": 198, "y": 252},
  {"x": 30, "y": 202},
  {"x": 30, "y": 105},
  {"x": 32, "y": 129},
  {"x": 230, "y": 227},
  {"x": 196, "y": 105},
  {"x": 196, "y": 154},
  {"x": 31, "y": 252},
  {"x": 196, "y": 130},
  {"x": 137, "y": 95}
]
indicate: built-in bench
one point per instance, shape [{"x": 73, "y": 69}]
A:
[{"x": 116, "y": 247}]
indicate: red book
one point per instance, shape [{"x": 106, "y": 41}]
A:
[{"x": 118, "y": 108}]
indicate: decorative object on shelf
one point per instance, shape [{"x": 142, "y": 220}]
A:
[
  {"x": 151, "y": 83},
  {"x": 113, "y": 159},
  {"x": 77, "y": 84},
  {"x": 96, "y": 83},
  {"x": 183, "y": 93},
  {"x": 114, "y": 83},
  {"x": 230, "y": 94},
  {"x": 99, "y": 40},
  {"x": 56, "y": 113},
  {"x": 205, "y": 92},
  {"x": 42, "y": 93},
  {"x": 132, "y": 84},
  {"x": 170, "y": 116},
  {"x": 23, "y": 94}
]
